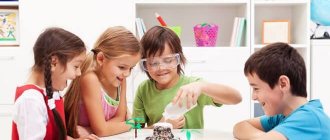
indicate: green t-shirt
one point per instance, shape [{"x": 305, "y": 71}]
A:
[{"x": 149, "y": 103}]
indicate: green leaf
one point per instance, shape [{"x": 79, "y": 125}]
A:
[{"x": 188, "y": 135}]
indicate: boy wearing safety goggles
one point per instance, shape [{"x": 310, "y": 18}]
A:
[{"x": 162, "y": 60}]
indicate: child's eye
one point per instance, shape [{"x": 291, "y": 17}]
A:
[
  {"x": 76, "y": 67},
  {"x": 168, "y": 60},
  {"x": 121, "y": 67},
  {"x": 154, "y": 64}
]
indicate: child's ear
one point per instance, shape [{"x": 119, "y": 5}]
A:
[
  {"x": 284, "y": 82},
  {"x": 100, "y": 58},
  {"x": 54, "y": 62}
]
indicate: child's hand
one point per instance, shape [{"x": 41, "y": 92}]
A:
[
  {"x": 188, "y": 94},
  {"x": 177, "y": 123},
  {"x": 89, "y": 137},
  {"x": 83, "y": 131}
]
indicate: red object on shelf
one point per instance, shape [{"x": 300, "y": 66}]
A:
[{"x": 160, "y": 19}]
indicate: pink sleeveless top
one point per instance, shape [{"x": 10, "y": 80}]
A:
[{"x": 109, "y": 106}]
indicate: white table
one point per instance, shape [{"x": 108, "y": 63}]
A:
[{"x": 202, "y": 135}]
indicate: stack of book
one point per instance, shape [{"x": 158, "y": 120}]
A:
[
  {"x": 140, "y": 27},
  {"x": 238, "y": 32}
]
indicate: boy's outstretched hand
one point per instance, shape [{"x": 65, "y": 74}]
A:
[
  {"x": 188, "y": 94},
  {"x": 176, "y": 123}
]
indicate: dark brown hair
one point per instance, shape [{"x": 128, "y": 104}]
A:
[
  {"x": 113, "y": 42},
  {"x": 154, "y": 41},
  {"x": 277, "y": 59},
  {"x": 63, "y": 44}
]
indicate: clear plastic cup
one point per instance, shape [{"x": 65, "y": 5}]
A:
[{"x": 174, "y": 111}]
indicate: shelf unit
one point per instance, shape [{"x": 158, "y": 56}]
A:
[
  {"x": 297, "y": 12},
  {"x": 189, "y": 13}
]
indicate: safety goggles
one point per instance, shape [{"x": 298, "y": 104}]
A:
[{"x": 154, "y": 63}]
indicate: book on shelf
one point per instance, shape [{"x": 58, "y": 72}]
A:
[
  {"x": 233, "y": 34},
  {"x": 140, "y": 27},
  {"x": 238, "y": 32},
  {"x": 143, "y": 26}
]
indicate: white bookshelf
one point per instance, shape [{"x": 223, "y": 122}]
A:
[
  {"x": 297, "y": 12},
  {"x": 187, "y": 14}
]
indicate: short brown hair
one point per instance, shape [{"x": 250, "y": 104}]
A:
[
  {"x": 277, "y": 59},
  {"x": 154, "y": 41}
]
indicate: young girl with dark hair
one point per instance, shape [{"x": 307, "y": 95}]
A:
[{"x": 38, "y": 108}]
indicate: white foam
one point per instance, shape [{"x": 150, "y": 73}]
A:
[{"x": 163, "y": 124}]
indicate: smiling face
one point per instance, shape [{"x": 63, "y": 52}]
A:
[
  {"x": 60, "y": 73},
  {"x": 165, "y": 76},
  {"x": 116, "y": 69},
  {"x": 270, "y": 99}
]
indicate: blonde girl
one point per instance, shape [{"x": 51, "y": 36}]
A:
[{"x": 96, "y": 101}]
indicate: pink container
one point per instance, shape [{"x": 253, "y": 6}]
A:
[{"x": 206, "y": 35}]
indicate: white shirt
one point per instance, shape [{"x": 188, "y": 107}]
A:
[{"x": 30, "y": 115}]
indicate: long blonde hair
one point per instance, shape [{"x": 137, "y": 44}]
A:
[{"x": 113, "y": 42}]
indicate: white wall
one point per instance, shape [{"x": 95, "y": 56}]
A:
[
  {"x": 320, "y": 72},
  {"x": 87, "y": 19}
]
